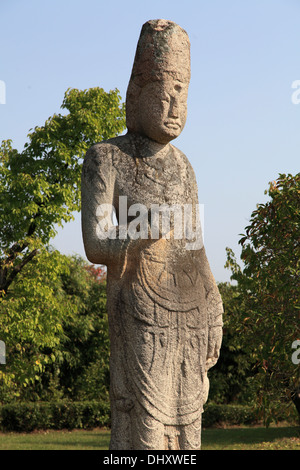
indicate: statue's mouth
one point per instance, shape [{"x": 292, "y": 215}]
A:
[{"x": 172, "y": 125}]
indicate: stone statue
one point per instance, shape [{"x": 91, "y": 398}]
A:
[{"x": 164, "y": 308}]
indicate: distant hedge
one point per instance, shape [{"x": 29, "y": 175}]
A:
[
  {"x": 28, "y": 417},
  {"x": 228, "y": 414}
]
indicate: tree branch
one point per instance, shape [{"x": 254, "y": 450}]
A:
[{"x": 16, "y": 269}]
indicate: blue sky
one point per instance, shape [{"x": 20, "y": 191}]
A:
[{"x": 242, "y": 128}]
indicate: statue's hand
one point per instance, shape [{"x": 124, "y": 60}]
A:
[{"x": 214, "y": 346}]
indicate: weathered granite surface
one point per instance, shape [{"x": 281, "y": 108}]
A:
[{"x": 165, "y": 310}]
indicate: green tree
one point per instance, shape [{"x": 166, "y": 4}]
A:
[
  {"x": 84, "y": 370},
  {"x": 40, "y": 186},
  {"x": 232, "y": 379},
  {"x": 269, "y": 283},
  {"x": 54, "y": 324},
  {"x": 31, "y": 324}
]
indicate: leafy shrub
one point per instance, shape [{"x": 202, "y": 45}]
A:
[
  {"x": 228, "y": 414},
  {"x": 27, "y": 417}
]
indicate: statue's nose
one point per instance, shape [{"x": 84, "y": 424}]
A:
[{"x": 174, "y": 108}]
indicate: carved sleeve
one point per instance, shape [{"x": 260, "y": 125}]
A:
[
  {"x": 213, "y": 297},
  {"x": 97, "y": 196},
  {"x": 214, "y": 311}
]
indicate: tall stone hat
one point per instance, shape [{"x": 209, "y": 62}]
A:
[{"x": 163, "y": 48}]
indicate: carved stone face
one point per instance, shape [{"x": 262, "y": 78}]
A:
[{"x": 162, "y": 109}]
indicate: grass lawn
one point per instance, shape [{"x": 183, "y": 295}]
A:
[
  {"x": 251, "y": 438},
  {"x": 238, "y": 438},
  {"x": 96, "y": 439}
]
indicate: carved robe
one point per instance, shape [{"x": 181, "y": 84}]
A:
[{"x": 165, "y": 312}]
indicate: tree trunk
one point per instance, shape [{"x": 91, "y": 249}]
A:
[
  {"x": 7, "y": 276},
  {"x": 296, "y": 401}
]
